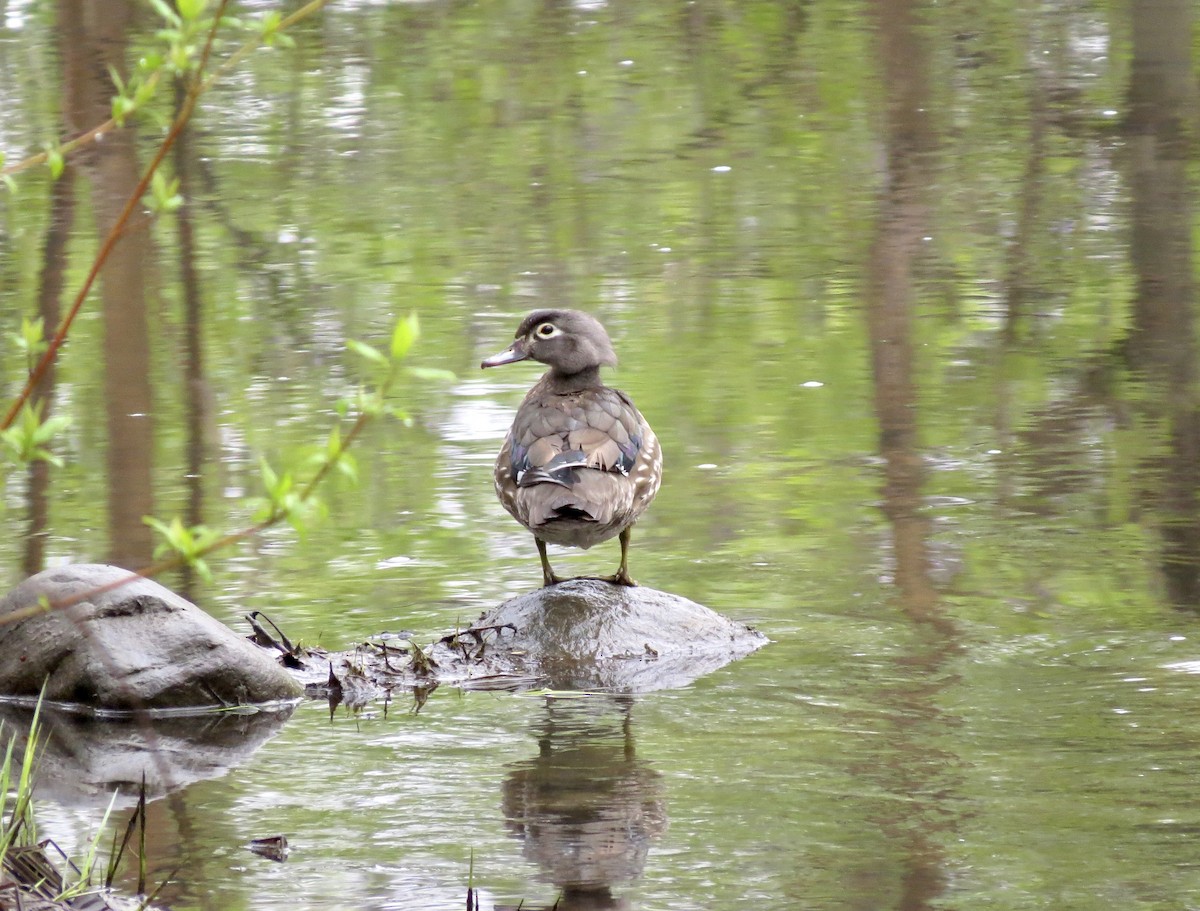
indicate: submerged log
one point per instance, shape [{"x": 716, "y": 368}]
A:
[{"x": 124, "y": 643}]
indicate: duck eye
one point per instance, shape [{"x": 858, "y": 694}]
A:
[{"x": 546, "y": 330}]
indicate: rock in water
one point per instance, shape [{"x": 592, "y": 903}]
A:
[
  {"x": 589, "y": 634},
  {"x": 134, "y": 645}
]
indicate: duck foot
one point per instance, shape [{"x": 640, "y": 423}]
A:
[
  {"x": 620, "y": 578},
  {"x": 614, "y": 579}
]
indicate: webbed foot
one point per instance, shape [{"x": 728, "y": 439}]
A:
[{"x": 620, "y": 577}]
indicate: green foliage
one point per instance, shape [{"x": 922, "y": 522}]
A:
[
  {"x": 27, "y": 439},
  {"x": 183, "y": 33},
  {"x": 285, "y": 498},
  {"x": 31, "y": 340},
  {"x": 189, "y": 544},
  {"x": 404, "y": 335},
  {"x": 164, "y": 194},
  {"x": 269, "y": 32},
  {"x": 190, "y": 10},
  {"x": 137, "y": 93},
  {"x": 55, "y": 160},
  {"x": 336, "y": 455},
  {"x": 17, "y": 823},
  {"x": 336, "y": 452},
  {"x": 385, "y": 368},
  {"x": 180, "y": 51}
]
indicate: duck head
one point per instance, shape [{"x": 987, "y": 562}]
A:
[{"x": 570, "y": 342}]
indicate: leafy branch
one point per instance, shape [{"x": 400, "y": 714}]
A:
[
  {"x": 285, "y": 498},
  {"x": 28, "y": 439},
  {"x": 182, "y": 34},
  {"x": 24, "y": 431},
  {"x": 133, "y": 96},
  {"x": 60, "y": 335}
]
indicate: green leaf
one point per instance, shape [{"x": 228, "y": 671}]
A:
[
  {"x": 261, "y": 508},
  {"x": 400, "y": 415},
  {"x": 150, "y": 62},
  {"x": 55, "y": 161},
  {"x": 50, "y": 428},
  {"x": 190, "y": 544},
  {"x": 164, "y": 10},
  {"x": 117, "y": 81},
  {"x": 364, "y": 350},
  {"x": 181, "y": 56},
  {"x": 190, "y": 10},
  {"x": 31, "y": 339},
  {"x": 270, "y": 478},
  {"x": 122, "y": 107},
  {"x": 144, "y": 92},
  {"x": 270, "y": 25},
  {"x": 371, "y": 403},
  {"x": 347, "y": 467},
  {"x": 333, "y": 446},
  {"x": 26, "y": 439},
  {"x": 164, "y": 193},
  {"x": 156, "y": 525},
  {"x": 406, "y": 332}
]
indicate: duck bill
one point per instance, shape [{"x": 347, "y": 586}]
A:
[{"x": 510, "y": 355}]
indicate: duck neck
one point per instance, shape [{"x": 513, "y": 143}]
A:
[{"x": 563, "y": 383}]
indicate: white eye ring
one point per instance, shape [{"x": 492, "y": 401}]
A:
[{"x": 547, "y": 330}]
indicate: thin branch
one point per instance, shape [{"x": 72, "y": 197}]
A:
[
  {"x": 110, "y": 241},
  {"x": 195, "y": 90},
  {"x": 175, "y": 561},
  {"x": 111, "y": 124}
]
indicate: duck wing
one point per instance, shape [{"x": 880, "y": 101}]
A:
[{"x": 584, "y": 456}]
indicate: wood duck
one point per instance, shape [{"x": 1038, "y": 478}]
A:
[{"x": 580, "y": 464}]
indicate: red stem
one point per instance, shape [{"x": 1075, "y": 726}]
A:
[{"x": 110, "y": 241}]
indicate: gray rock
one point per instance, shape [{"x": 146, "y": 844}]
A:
[
  {"x": 121, "y": 647},
  {"x": 588, "y": 634}
]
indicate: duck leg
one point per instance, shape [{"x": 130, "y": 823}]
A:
[
  {"x": 622, "y": 575},
  {"x": 548, "y": 575}
]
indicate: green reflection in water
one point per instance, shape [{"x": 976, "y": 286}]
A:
[{"x": 716, "y": 181}]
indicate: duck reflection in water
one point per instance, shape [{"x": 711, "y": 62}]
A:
[{"x": 586, "y": 808}]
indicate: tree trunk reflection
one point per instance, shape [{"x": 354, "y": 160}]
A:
[
  {"x": 93, "y": 36},
  {"x": 1161, "y": 345},
  {"x": 912, "y": 771},
  {"x": 902, "y": 222},
  {"x": 195, "y": 389},
  {"x": 50, "y": 289}
]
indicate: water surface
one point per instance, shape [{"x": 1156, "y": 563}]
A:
[{"x": 907, "y": 293}]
